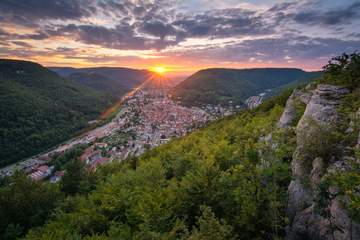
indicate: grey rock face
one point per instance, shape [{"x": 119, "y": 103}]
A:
[
  {"x": 299, "y": 198},
  {"x": 342, "y": 221},
  {"x": 305, "y": 97},
  {"x": 305, "y": 222},
  {"x": 317, "y": 171},
  {"x": 323, "y": 103},
  {"x": 290, "y": 111},
  {"x": 309, "y": 226}
]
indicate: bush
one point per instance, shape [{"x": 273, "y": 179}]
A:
[
  {"x": 25, "y": 203},
  {"x": 319, "y": 140},
  {"x": 343, "y": 70},
  {"x": 347, "y": 183}
]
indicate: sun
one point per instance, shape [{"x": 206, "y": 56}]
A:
[{"x": 159, "y": 69}]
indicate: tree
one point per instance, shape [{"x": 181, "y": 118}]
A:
[
  {"x": 343, "y": 70},
  {"x": 25, "y": 203},
  {"x": 77, "y": 179},
  {"x": 13, "y": 231},
  {"x": 210, "y": 228},
  {"x": 60, "y": 160}
]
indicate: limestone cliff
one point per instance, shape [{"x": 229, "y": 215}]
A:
[{"x": 315, "y": 156}]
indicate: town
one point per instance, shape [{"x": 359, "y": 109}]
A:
[{"x": 146, "y": 119}]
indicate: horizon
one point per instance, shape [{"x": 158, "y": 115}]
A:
[
  {"x": 170, "y": 73},
  {"x": 184, "y": 74},
  {"x": 180, "y": 36}
]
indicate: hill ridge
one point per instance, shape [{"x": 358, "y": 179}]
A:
[
  {"x": 39, "y": 108},
  {"x": 224, "y": 85}
]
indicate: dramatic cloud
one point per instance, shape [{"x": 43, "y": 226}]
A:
[
  {"x": 158, "y": 29},
  {"x": 32, "y": 10},
  {"x": 311, "y": 13},
  {"x": 229, "y": 32},
  {"x": 22, "y": 44},
  {"x": 223, "y": 23}
]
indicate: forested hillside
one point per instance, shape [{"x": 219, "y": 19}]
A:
[
  {"x": 100, "y": 83},
  {"x": 39, "y": 109},
  {"x": 104, "y": 78},
  {"x": 220, "y": 85}
]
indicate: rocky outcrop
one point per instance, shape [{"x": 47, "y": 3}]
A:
[
  {"x": 318, "y": 170},
  {"x": 309, "y": 165},
  {"x": 291, "y": 110},
  {"x": 289, "y": 114},
  {"x": 323, "y": 103}
]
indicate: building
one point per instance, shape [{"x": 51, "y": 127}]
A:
[
  {"x": 101, "y": 145},
  {"x": 90, "y": 155},
  {"x": 41, "y": 172},
  {"x": 57, "y": 176}
]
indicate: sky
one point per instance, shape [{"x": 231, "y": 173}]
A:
[{"x": 181, "y": 35}]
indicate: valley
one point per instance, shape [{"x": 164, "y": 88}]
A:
[
  {"x": 81, "y": 95},
  {"x": 146, "y": 116}
]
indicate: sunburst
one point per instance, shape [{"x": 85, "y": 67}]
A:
[{"x": 159, "y": 69}]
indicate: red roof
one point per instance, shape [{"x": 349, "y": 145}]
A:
[
  {"x": 59, "y": 173},
  {"x": 43, "y": 168},
  {"x": 88, "y": 150},
  {"x": 88, "y": 153}
]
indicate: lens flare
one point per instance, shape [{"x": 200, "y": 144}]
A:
[{"x": 159, "y": 69}]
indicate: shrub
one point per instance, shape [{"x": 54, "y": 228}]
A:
[
  {"x": 318, "y": 140},
  {"x": 343, "y": 70}
]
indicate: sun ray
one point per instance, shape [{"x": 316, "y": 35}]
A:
[{"x": 159, "y": 69}]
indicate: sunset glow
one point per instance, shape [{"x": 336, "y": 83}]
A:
[
  {"x": 185, "y": 35},
  {"x": 159, "y": 70}
]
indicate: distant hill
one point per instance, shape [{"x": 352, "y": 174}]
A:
[
  {"x": 115, "y": 79},
  {"x": 39, "y": 109},
  {"x": 64, "y": 71},
  {"x": 220, "y": 85},
  {"x": 99, "y": 82}
]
